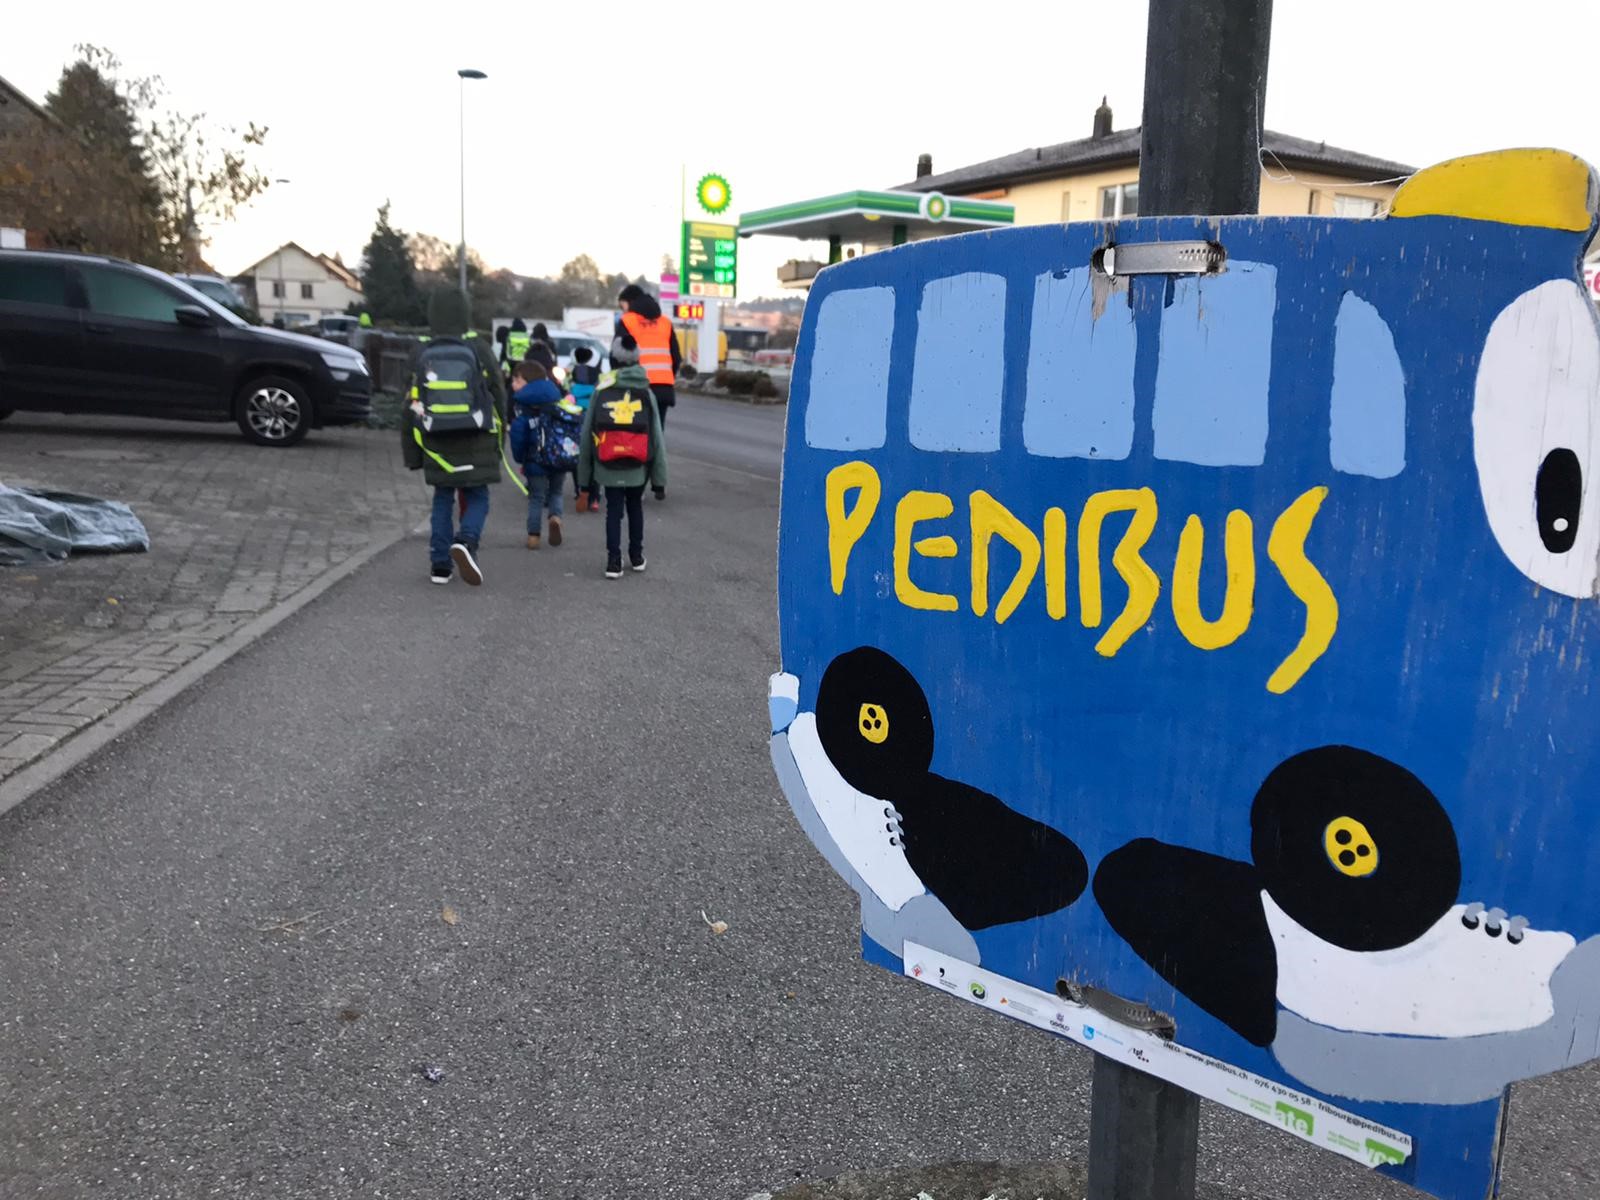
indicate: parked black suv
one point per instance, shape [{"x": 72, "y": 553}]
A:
[{"x": 81, "y": 333}]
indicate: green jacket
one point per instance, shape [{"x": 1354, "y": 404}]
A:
[
  {"x": 591, "y": 469},
  {"x": 447, "y": 317}
]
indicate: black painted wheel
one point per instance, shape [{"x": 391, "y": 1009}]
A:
[
  {"x": 1354, "y": 847},
  {"x": 986, "y": 862},
  {"x": 873, "y": 720}
]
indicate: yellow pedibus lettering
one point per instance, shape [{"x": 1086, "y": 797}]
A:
[
  {"x": 1055, "y": 563},
  {"x": 845, "y": 529},
  {"x": 990, "y": 517},
  {"x": 1286, "y": 546},
  {"x": 1238, "y": 600},
  {"x": 1144, "y": 586},
  {"x": 854, "y": 493},
  {"x": 914, "y": 508}
]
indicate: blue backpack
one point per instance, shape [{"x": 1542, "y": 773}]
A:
[{"x": 553, "y": 433}]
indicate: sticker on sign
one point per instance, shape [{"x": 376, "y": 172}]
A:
[{"x": 1306, "y": 1117}]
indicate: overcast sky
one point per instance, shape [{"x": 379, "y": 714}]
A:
[{"x": 576, "y": 141}]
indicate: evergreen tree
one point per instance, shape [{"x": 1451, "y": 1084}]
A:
[{"x": 389, "y": 276}]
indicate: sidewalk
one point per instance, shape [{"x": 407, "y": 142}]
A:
[{"x": 235, "y": 530}]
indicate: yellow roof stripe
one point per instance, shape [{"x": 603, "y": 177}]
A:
[{"x": 1550, "y": 189}]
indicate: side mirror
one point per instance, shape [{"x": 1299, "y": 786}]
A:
[{"x": 193, "y": 316}]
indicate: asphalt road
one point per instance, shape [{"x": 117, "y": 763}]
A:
[{"x": 225, "y": 952}]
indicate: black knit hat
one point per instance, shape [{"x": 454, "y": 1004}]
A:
[{"x": 632, "y": 293}]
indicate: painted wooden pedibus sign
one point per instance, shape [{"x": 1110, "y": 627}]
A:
[{"x": 1223, "y": 642}]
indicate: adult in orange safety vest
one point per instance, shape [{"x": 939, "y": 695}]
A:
[{"x": 658, "y": 345}]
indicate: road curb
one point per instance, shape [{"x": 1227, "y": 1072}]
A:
[{"x": 89, "y": 741}]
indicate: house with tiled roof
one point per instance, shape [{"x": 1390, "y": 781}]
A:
[
  {"x": 1097, "y": 177},
  {"x": 1087, "y": 179},
  {"x": 294, "y": 286}
]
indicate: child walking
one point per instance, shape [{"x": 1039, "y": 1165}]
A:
[
  {"x": 544, "y": 440},
  {"x": 585, "y": 376},
  {"x": 450, "y": 430},
  {"x": 621, "y": 450}
]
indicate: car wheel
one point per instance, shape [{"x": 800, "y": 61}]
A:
[{"x": 273, "y": 411}]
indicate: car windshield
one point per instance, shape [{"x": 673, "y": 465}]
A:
[
  {"x": 220, "y": 292},
  {"x": 205, "y": 301},
  {"x": 566, "y": 345}
]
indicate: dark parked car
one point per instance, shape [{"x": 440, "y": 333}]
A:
[{"x": 81, "y": 333}]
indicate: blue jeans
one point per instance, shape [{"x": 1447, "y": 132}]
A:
[
  {"x": 544, "y": 491},
  {"x": 444, "y": 514}
]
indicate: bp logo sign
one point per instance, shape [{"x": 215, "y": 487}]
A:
[
  {"x": 935, "y": 207},
  {"x": 713, "y": 194}
]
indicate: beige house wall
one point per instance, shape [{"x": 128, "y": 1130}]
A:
[
  {"x": 1307, "y": 193},
  {"x": 1077, "y": 197},
  {"x": 1284, "y": 193}
]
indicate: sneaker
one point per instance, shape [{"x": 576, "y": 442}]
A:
[
  {"x": 461, "y": 555},
  {"x": 439, "y": 575},
  {"x": 1416, "y": 989},
  {"x": 614, "y": 568},
  {"x": 594, "y": 505},
  {"x": 864, "y": 829},
  {"x": 533, "y": 541},
  {"x": 638, "y": 564},
  {"x": 555, "y": 531}
]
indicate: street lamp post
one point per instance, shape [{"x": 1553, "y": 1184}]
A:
[
  {"x": 281, "y": 290},
  {"x": 465, "y": 73}
]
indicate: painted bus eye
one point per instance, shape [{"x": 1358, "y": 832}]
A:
[
  {"x": 1536, "y": 435},
  {"x": 1558, "y": 495}
]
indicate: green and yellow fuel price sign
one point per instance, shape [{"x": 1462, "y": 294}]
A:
[{"x": 710, "y": 260}]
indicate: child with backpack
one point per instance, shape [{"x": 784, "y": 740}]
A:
[
  {"x": 544, "y": 440},
  {"x": 585, "y": 375},
  {"x": 450, "y": 430},
  {"x": 621, "y": 450}
]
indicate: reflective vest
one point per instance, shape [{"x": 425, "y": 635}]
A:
[
  {"x": 517, "y": 346},
  {"x": 655, "y": 356}
]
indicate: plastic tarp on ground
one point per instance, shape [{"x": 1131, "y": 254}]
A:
[{"x": 41, "y": 526}]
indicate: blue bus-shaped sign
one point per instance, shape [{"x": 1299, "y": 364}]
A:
[{"x": 1222, "y": 640}]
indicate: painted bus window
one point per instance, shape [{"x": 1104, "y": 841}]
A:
[
  {"x": 1081, "y": 348},
  {"x": 1208, "y": 655},
  {"x": 959, "y": 366},
  {"x": 849, "y": 378},
  {"x": 1215, "y": 366},
  {"x": 1367, "y": 408}
]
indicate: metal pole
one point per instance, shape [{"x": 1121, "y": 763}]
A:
[
  {"x": 1144, "y": 1136},
  {"x": 1205, "y": 77},
  {"x": 280, "y": 275},
  {"x": 461, "y": 253}
]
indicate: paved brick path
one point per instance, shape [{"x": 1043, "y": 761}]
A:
[{"x": 234, "y": 530}]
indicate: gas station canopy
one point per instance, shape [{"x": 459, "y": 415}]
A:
[{"x": 876, "y": 216}]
